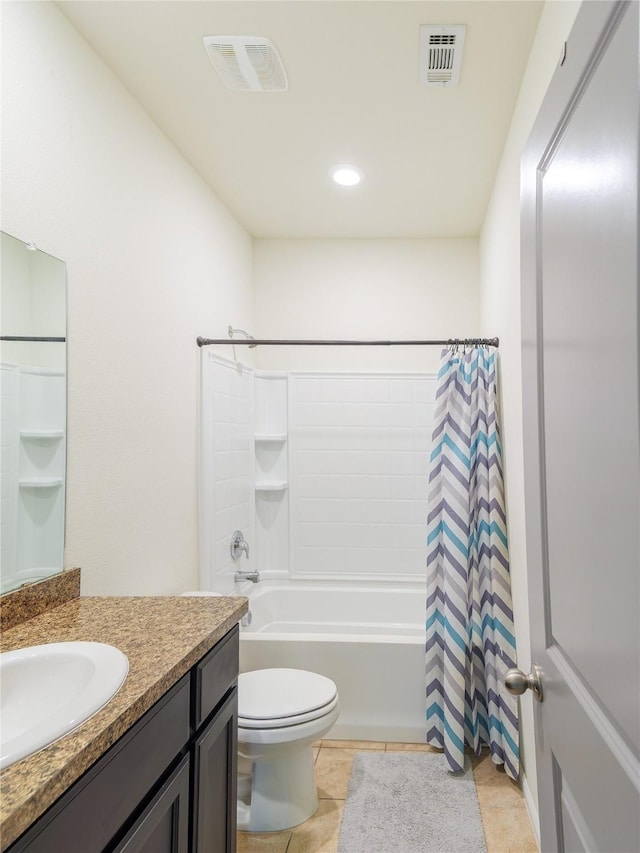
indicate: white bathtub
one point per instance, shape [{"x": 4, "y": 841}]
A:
[{"x": 369, "y": 640}]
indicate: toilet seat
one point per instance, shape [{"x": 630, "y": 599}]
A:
[
  {"x": 275, "y": 698},
  {"x": 283, "y": 722}
]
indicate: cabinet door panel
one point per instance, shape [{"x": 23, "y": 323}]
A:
[
  {"x": 215, "y": 795},
  {"x": 163, "y": 827}
]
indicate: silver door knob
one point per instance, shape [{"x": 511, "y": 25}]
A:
[{"x": 517, "y": 682}]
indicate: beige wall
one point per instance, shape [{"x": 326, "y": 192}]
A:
[
  {"x": 153, "y": 260},
  {"x": 364, "y": 289},
  {"x": 500, "y": 308}
]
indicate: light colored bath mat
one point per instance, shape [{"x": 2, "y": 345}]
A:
[{"x": 409, "y": 803}]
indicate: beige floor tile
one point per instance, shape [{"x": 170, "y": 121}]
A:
[
  {"x": 333, "y": 771},
  {"x": 508, "y": 830},
  {"x": 483, "y": 765},
  {"x": 264, "y": 842},
  {"x": 353, "y": 744},
  {"x": 315, "y": 750},
  {"x": 412, "y": 747},
  {"x": 501, "y": 796},
  {"x": 321, "y": 832},
  {"x": 495, "y": 789}
]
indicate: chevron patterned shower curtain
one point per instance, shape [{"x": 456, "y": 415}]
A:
[{"x": 470, "y": 636}]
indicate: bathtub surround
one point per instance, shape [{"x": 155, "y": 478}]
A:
[
  {"x": 358, "y": 446},
  {"x": 470, "y": 634},
  {"x": 325, "y": 473},
  {"x": 226, "y": 470},
  {"x": 386, "y": 809}
]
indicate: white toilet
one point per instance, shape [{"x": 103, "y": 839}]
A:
[{"x": 281, "y": 712}]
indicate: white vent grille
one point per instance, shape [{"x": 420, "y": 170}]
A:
[
  {"x": 441, "y": 55},
  {"x": 247, "y": 63}
]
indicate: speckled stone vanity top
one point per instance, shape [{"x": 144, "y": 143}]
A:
[{"x": 162, "y": 637}]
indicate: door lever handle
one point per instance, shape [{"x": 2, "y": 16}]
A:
[{"x": 518, "y": 682}]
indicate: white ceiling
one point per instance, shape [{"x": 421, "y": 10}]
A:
[{"x": 430, "y": 155}]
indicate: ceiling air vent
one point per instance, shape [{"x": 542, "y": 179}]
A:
[
  {"x": 440, "y": 55},
  {"x": 247, "y": 63}
]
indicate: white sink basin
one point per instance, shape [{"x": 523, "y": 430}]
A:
[{"x": 47, "y": 691}]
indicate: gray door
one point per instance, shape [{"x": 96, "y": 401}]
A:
[{"x": 582, "y": 466}]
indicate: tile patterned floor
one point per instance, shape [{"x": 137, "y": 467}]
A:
[{"x": 504, "y": 814}]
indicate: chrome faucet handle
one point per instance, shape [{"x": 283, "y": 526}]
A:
[{"x": 238, "y": 545}]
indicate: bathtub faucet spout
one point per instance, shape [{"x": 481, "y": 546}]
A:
[{"x": 254, "y": 577}]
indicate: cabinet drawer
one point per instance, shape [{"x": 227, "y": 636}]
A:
[
  {"x": 214, "y": 675},
  {"x": 88, "y": 816}
]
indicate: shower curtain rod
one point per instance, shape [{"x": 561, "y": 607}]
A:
[
  {"x": 255, "y": 342},
  {"x": 33, "y": 338}
]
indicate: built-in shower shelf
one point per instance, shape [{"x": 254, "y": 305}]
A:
[
  {"x": 270, "y": 438},
  {"x": 41, "y": 482},
  {"x": 271, "y": 486},
  {"x": 42, "y": 434}
]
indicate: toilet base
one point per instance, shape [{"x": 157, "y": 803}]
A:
[{"x": 283, "y": 793}]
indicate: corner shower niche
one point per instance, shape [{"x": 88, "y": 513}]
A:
[
  {"x": 244, "y": 472},
  {"x": 271, "y": 471}
]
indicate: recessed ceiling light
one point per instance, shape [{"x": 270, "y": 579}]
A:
[{"x": 346, "y": 175}]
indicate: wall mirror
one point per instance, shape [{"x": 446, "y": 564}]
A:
[{"x": 33, "y": 357}]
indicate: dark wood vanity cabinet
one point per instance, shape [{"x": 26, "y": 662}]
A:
[{"x": 168, "y": 785}]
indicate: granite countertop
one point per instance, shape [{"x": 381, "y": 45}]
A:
[{"x": 162, "y": 637}]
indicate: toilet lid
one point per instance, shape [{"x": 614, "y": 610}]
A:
[{"x": 275, "y": 694}]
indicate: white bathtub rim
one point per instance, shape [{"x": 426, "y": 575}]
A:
[
  {"x": 342, "y": 584},
  {"x": 372, "y": 639}
]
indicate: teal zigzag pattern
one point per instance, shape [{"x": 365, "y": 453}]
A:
[{"x": 470, "y": 635}]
